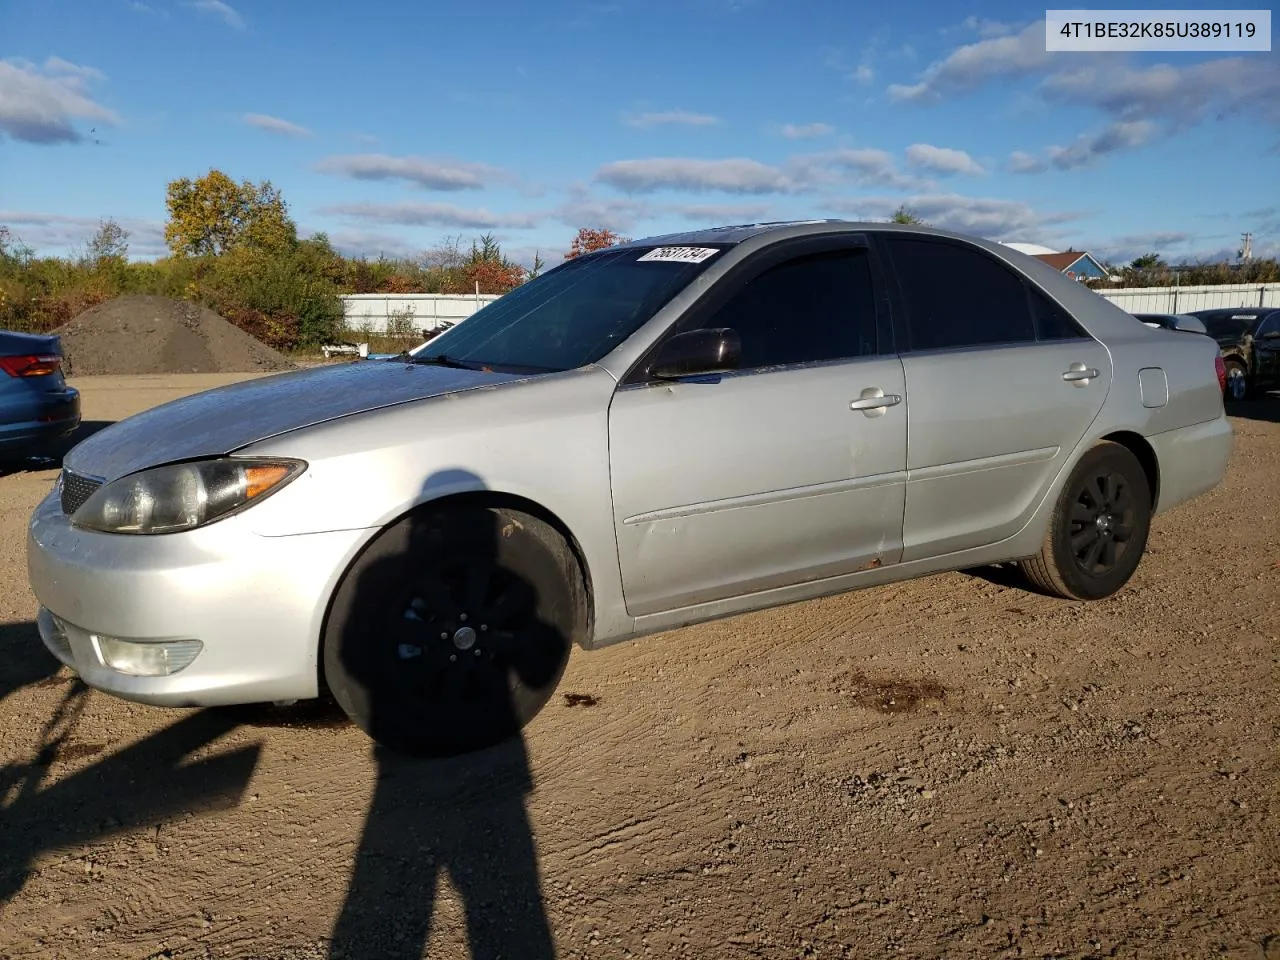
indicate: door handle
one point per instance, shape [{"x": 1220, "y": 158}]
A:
[
  {"x": 1079, "y": 374},
  {"x": 874, "y": 401}
]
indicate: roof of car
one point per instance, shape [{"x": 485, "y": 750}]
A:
[
  {"x": 738, "y": 233},
  {"x": 1250, "y": 312}
]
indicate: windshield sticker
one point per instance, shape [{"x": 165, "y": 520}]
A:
[{"x": 680, "y": 254}]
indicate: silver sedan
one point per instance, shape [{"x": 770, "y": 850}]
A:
[{"x": 646, "y": 437}]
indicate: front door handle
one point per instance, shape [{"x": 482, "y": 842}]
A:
[
  {"x": 1080, "y": 375},
  {"x": 874, "y": 402}
]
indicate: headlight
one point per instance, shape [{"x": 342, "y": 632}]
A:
[{"x": 183, "y": 496}]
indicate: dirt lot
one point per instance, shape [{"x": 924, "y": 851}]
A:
[{"x": 951, "y": 767}]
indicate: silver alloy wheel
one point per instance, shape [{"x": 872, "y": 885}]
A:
[{"x": 1237, "y": 387}]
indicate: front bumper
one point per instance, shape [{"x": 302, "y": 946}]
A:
[{"x": 256, "y": 603}]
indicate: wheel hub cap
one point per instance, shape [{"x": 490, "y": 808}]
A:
[
  {"x": 1104, "y": 522},
  {"x": 464, "y": 638}
]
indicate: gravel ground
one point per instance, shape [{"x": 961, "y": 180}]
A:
[
  {"x": 949, "y": 767},
  {"x": 147, "y": 334}
]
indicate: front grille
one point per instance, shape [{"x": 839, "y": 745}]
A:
[{"x": 76, "y": 489}]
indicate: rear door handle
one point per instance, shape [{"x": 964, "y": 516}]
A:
[
  {"x": 874, "y": 401},
  {"x": 1079, "y": 373}
]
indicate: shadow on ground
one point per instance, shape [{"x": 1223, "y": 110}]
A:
[
  {"x": 45, "y": 806},
  {"x": 48, "y": 456},
  {"x": 1266, "y": 408},
  {"x": 409, "y": 655}
]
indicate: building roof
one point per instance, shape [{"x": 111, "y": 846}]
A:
[
  {"x": 1060, "y": 261},
  {"x": 1032, "y": 249}
]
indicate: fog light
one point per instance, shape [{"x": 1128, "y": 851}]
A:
[{"x": 147, "y": 658}]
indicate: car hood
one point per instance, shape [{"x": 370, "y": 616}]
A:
[{"x": 224, "y": 419}]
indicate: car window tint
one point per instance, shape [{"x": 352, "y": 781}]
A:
[
  {"x": 1052, "y": 322},
  {"x": 815, "y": 307},
  {"x": 1270, "y": 325},
  {"x": 958, "y": 297}
]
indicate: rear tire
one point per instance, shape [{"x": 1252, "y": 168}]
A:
[
  {"x": 1099, "y": 527},
  {"x": 1238, "y": 387},
  {"x": 453, "y": 628}
]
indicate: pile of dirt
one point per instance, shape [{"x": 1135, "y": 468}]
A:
[{"x": 150, "y": 334}]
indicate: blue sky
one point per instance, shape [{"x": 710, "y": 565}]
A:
[{"x": 392, "y": 126}]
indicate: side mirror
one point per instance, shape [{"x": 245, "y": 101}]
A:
[
  {"x": 1188, "y": 324},
  {"x": 698, "y": 352}
]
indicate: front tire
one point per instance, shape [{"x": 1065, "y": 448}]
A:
[
  {"x": 1099, "y": 527},
  {"x": 452, "y": 630}
]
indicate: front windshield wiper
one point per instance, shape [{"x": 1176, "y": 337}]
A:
[{"x": 440, "y": 360}]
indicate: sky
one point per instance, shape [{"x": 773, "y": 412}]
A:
[{"x": 394, "y": 126}]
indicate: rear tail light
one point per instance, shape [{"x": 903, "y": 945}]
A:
[
  {"x": 32, "y": 365},
  {"x": 1221, "y": 369}
]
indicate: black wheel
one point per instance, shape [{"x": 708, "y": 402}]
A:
[
  {"x": 452, "y": 630},
  {"x": 1099, "y": 527},
  {"x": 1238, "y": 386}
]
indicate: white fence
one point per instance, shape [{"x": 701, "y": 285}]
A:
[
  {"x": 1185, "y": 299},
  {"x": 371, "y": 310}
]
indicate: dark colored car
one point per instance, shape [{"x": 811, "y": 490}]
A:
[
  {"x": 36, "y": 405},
  {"x": 1249, "y": 338}
]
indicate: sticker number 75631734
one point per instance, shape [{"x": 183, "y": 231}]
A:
[{"x": 680, "y": 254}]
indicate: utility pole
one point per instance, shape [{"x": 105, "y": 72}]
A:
[{"x": 1246, "y": 252}]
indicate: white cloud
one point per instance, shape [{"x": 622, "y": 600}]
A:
[
  {"x": 942, "y": 160},
  {"x": 584, "y": 209},
  {"x": 275, "y": 125},
  {"x": 990, "y": 217},
  {"x": 41, "y": 104},
  {"x": 720, "y": 213},
  {"x": 1089, "y": 147},
  {"x": 861, "y": 165},
  {"x": 806, "y": 131},
  {"x": 864, "y": 74},
  {"x": 224, "y": 11},
  {"x": 441, "y": 174},
  {"x": 1022, "y": 162},
  {"x": 1179, "y": 95},
  {"x": 734, "y": 175},
  {"x": 972, "y": 65},
  {"x": 59, "y": 234},
  {"x": 742, "y": 175},
  {"x": 431, "y": 215},
  {"x": 678, "y": 118}
]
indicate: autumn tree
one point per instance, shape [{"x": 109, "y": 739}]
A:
[
  {"x": 213, "y": 214},
  {"x": 489, "y": 268},
  {"x": 110, "y": 242},
  {"x": 589, "y": 239}
]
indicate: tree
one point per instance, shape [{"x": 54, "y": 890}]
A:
[
  {"x": 1148, "y": 261},
  {"x": 538, "y": 265},
  {"x": 213, "y": 214},
  {"x": 110, "y": 242},
  {"x": 490, "y": 269},
  {"x": 904, "y": 215},
  {"x": 589, "y": 240}
]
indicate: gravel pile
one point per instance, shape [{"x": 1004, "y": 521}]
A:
[{"x": 140, "y": 334}]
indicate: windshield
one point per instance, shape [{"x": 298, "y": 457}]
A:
[{"x": 573, "y": 315}]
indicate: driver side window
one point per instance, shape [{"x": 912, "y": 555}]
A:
[
  {"x": 811, "y": 308},
  {"x": 1269, "y": 325}
]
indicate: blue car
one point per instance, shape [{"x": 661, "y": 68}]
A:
[{"x": 36, "y": 405}]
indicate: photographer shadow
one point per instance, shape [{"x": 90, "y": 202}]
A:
[{"x": 460, "y": 816}]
